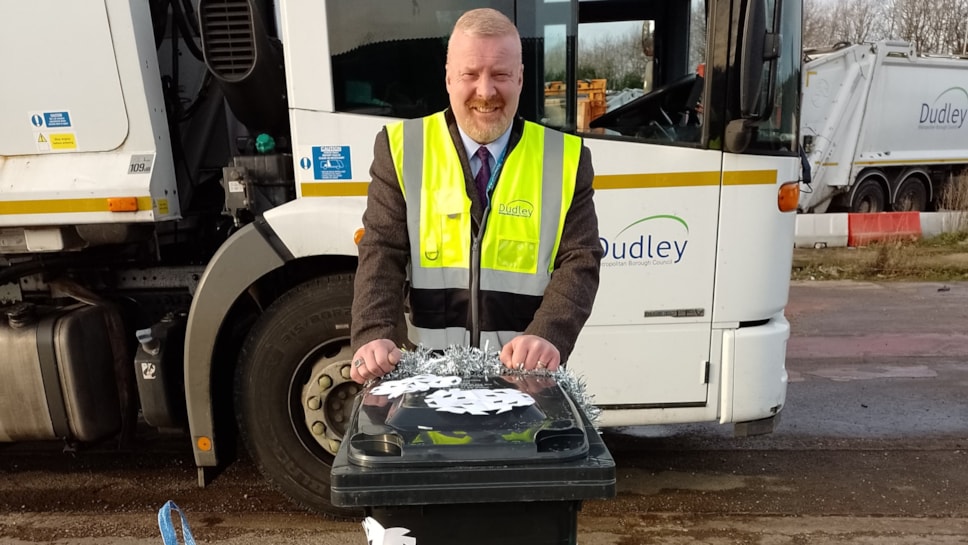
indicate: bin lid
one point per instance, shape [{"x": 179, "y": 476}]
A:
[
  {"x": 477, "y": 420},
  {"x": 405, "y": 450}
]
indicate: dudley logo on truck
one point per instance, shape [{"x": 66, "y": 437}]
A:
[
  {"x": 653, "y": 240},
  {"x": 948, "y": 111}
]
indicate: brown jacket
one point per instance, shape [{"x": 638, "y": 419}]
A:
[{"x": 378, "y": 302}]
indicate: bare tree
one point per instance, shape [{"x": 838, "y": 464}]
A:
[
  {"x": 818, "y": 27},
  {"x": 912, "y": 19},
  {"x": 931, "y": 26},
  {"x": 859, "y": 20},
  {"x": 619, "y": 58},
  {"x": 826, "y": 22},
  {"x": 951, "y": 26},
  {"x": 697, "y": 34}
]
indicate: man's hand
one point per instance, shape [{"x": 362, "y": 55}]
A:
[
  {"x": 374, "y": 359},
  {"x": 530, "y": 352}
]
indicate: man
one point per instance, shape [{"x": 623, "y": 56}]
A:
[{"x": 498, "y": 229}]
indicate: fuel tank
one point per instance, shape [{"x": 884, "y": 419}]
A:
[{"x": 56, "y": 374}]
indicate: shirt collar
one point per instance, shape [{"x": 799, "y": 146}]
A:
[{"x": 496, "y": 148}]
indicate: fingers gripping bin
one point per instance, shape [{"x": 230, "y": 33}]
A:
[{"x": 508, "y": 476}]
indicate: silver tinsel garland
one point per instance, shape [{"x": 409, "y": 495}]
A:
[{"x": 464, "y": 361}]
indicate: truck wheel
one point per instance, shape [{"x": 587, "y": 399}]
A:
[
  {"x": 868, "y": 195},
  {"x": 293, "y": 393},
  {"x": 912, "y": 195}
]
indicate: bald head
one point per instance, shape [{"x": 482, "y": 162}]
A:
[{"x": 485, "y": 23}]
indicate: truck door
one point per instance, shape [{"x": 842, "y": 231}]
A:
[
  {"x": 763, "y": 112},
  {"x": 657, "y": 189}
]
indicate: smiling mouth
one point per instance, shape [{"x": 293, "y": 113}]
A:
[{"x": 484, "y": 109}]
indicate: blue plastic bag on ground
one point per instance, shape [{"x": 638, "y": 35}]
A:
[{"x": 168, "y": 533}]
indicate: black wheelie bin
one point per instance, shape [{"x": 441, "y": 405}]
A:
[{"x": 515, "y": 474}]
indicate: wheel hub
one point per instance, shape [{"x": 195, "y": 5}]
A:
[{"x": 327, "y": 400}]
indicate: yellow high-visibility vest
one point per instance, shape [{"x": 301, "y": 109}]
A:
[{"x": 522, "y": 230}]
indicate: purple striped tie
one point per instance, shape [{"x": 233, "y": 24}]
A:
[{"x": 484, "y": 174}]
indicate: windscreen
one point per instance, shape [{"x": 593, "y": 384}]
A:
[{"x": 637, "y": 71}]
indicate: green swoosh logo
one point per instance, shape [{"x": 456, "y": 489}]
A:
[
  {"x": 661, "y": 216},
  {"x": 952, "y": 89}
]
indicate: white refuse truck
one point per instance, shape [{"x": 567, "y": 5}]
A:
[
  {"x": 883, "y": 127},
  {"x": 180, "y": 197}
]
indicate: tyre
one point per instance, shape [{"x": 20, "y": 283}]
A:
[
  {"x": 869, "y": 194},
  {"x": 912, "y": 195},
  {"x": 293, "y": 394}
]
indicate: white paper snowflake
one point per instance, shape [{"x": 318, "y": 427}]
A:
[
  {"x": 419, "y": 383},
  {"x": 478, "y": 401}
]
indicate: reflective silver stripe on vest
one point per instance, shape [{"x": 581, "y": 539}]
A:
[
  {"x": 413, "y": 152},
  {"x": 440, "y": 339}
]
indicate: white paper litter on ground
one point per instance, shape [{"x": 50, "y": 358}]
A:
[
  {"x": 478, "y": 401},
  {"x": 376, "y": 534}
]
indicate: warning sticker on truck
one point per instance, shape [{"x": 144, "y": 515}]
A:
[
  {"x": 332, "y": 163},
  {"x": 60, "y": 119},
  {"x": 43, "y": 144},
  {"x": 45, "y": 123},
  {"x": 62, "y": 141}
]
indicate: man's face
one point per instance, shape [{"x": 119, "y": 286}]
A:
[{"x": 484, "y": 78}]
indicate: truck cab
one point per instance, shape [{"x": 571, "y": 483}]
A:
[{"x": 183, "y": 184}]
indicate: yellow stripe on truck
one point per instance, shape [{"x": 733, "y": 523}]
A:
[
  {"x": 334, "y": 189},
  {"x": 749, "y": 177},
  {"x": 65, "y": 206},
  {"x": 684, "y": 179},
  {"x": 913, "y": 162},
  {"x": 658, "y": 179},
  {"x": 604, "y": 181}
]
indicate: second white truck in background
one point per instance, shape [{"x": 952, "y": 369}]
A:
[{"x": 883, "y": 128}]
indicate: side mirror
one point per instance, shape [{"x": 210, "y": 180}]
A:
[
  {"x": 760, "y": 49},
  {"x": 806, "y": 175}
]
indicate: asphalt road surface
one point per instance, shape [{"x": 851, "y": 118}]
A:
[{"x": 872, "y": 449}]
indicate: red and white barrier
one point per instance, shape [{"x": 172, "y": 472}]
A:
[
  {"x": 863, "y": 229},
  {"x": 842, "y": 230}
]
